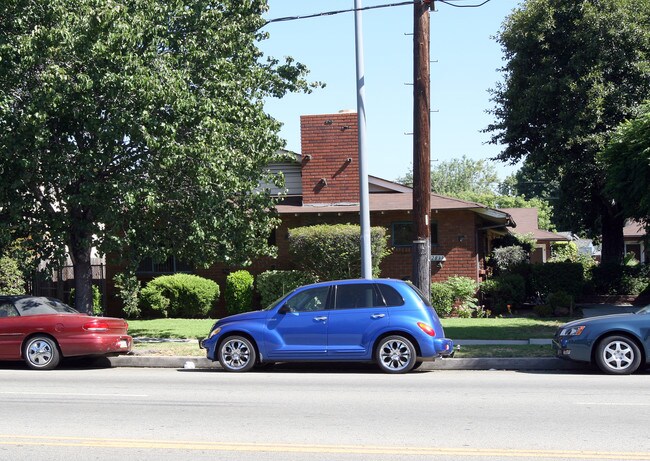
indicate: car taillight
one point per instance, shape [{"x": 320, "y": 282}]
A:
[
  {"x": 96, "y": 326},
  {"x": 426, "y": 328}
]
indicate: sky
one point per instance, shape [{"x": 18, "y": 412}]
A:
[{"x": 465, "y": 62}]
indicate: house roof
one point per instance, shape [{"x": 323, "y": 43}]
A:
[
  {"x": 633, "y": 229},
  {"x": 401, "y": 202},
  {"x": 526, "y": 219}
]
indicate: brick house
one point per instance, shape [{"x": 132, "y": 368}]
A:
[
  {"x": 323, "y": 187},
  {"x": 526, "y": 219}
]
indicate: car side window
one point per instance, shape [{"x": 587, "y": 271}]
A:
[
  {"x": 357, "y": 295},
  {"x": 313, "y": 299},
  {"x": 8, "y": 310},
  {"x": 391, "y": 295}
]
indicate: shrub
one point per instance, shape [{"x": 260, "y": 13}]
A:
[
  {"x": 464, "y": 312},
  {"x": 559, "y": 299},
  {"x": 506, "y": 258},
  {"x": 543, "y": 310},
  {"x": 178, "y": 295},
  {"x": 332, "y": 252},
  {"x": 11, "y": 278},
  {"x": 239, "y": 292},
  {"x": 97, "y": 300},
  {"x": 503, "y": 291},
  {"x": 128, "y": 290},
  {"x": 616, "y": 279},
  {"x": 272, "y": 285},
  {"x": 463, "y": 290},
  {"x": 442, "y": 298},
  {"x": 552, "y": 277}
]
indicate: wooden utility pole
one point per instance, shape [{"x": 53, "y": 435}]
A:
[{"x": 421, "y": 149}]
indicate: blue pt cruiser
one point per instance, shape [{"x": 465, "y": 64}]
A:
[{"x": 383, "y": 320}]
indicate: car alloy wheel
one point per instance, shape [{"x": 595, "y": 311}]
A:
[
  {"x": 618, "y": 355},
  {"x": 237, "y": 353},
  {"x": 41, "y": 353},
  {"x": 395, "y": 354}
]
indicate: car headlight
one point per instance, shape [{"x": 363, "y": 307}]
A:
[
  {"x": 214, "y": 332},
  {"x": 572, "y": 331}
]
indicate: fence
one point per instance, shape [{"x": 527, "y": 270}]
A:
[{"x": 59, "y": 283}]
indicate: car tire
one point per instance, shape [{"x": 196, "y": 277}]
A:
[
  {"x": 395, "y": 354},
  {"x": 618, "y": 355},
  {"x": 237, "y": 353},
  {"x": 41, "y": 353}
]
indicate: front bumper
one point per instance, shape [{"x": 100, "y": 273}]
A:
[{"x": 572, "y": 348}]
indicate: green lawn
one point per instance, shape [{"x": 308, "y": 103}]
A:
[{"x": 455, "y": 328}]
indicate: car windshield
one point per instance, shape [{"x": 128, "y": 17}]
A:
[
  {"x": 40, "y": 306},
  {"x": 275, "y": 303}
]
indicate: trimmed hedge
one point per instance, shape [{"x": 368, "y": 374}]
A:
[
  {"x": 616, "y": 279},
  {"x": 553, "y": 277},
  {"x": 333, "y": 252},
  {"x": 272, "y": 285},
  {"x": 178, "y": 295},
  {"x": 239, "y": 292}
]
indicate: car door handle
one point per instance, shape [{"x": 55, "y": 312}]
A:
[
  {"x": 320, "y": 319},
  {"x": 378, "y": 316}
]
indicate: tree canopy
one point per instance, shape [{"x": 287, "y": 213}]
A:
[
  {"x": 478, "y": 181},
  {"x": 574, "y": 70},
  {"x": 628, "y": 158},
  {"x": 460, "y": 175},
  {"x": 137, "y": 126}
]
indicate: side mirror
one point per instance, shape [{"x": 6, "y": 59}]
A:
[{"x": 284, "y": 309}]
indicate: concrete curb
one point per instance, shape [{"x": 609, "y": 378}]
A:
[{"x": 516, "y": 364}]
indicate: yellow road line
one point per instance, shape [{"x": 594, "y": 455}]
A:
[{"x": 89, "y": 442}]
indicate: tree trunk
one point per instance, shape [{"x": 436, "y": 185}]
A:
[
  {"x": 80, "y": 252},
  {"x": 612, "y": 234}
]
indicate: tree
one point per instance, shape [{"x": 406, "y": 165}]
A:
[
  {"x": 574, "y": 71},
  {"x": 460, "y": 175},
  {"x": 137, "y": 126},
  {"x": 627, "y": 156}
]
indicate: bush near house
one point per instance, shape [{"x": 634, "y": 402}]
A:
[
  {"x": 178, "y": 295},
  {"x": 549, "y": 278},
  {"x": 11, "y": 278},
  {"x": 128, "y": 290},
  {"x": 442, "y": 298},
  {"x": 238, "y": 292},
  {"x": 615, "y": 279},
  {"x": 333, "y": 252},
  {"x": 504, "y": 292},
  {"x": 272, "y": 285}
]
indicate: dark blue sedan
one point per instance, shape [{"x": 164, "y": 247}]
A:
[
  {"x": 617, "y": 344},
  {"x": 382, "y": 320}
]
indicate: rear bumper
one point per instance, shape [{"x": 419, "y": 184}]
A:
[
  {"x": 443, "y": 346},
  {"x": 96, "y": 344}
]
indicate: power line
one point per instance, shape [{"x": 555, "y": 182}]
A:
[
  {"x": 450, "y": 3},
  {"x": 332, "y": 13},
  {"x": 374, "y": 7}
]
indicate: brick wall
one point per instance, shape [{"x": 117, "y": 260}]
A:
[{"x": 330, "y": 169}]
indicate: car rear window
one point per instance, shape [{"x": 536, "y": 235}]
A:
[{"x": 40, "y": 306}]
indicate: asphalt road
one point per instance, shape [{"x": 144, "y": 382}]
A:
[{"x": 321, "y": 413}]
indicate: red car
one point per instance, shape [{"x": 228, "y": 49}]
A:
[{"x": 42, "y": 330}]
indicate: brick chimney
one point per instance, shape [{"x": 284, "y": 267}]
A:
[{"x": 330, "y": 158}]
